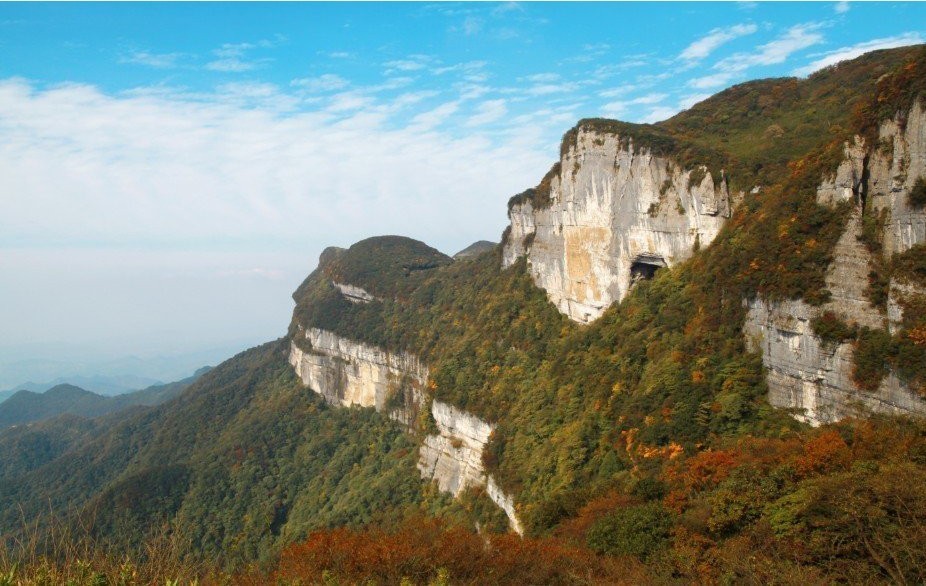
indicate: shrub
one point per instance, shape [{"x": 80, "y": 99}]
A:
[
  {"x": 639, "y": 531},
  {"x": 831, "y": 329},
  {"x": 917, "y": 197},
  {"x": 872, "y": 354}
]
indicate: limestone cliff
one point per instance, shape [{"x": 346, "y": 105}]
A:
[
  {"x": 811, "y": 376},
  {"x": 804, "y": 372},
  {"x": 347, "y": 373},
  {"x": 611, "y": 212}
]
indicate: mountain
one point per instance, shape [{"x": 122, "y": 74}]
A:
[
  {"x": 475, "y": 249},
  {"x": 698, "y": 355},
  {"x": 105, "y": 385},
  {"x": 27, "y": 406}
]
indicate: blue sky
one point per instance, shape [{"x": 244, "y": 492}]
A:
[{"x": 171, "y": 171}]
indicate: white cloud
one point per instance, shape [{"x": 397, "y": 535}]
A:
[
  {"x": 841, "y": 7},
  {"x": 619, "y": 91},
  {"x": 488, "y": 112},
  {"x": 545, "y": 89},
  {"x": 713, "y": 40},
  {"x": 858, "y": 49},
  {"x": 231, "y": 65},
  {"x": 542, "y": 77},
  {"x": 232, "y": 57},
  {"x": 468, "y": 68},
  {"x": 435, "y": 117},
  {"x": 797, "y": 38},
  {"x": 324, "y": 83},
  {"x": 689, "y": 101},
  {"x": 155, "y": 60},
  {"x": 404, "y": 65},
  {"x": 659, "y": 114},
  {"x": 347, "y": 101},
  {"x": 159, "y": 170},
  {"x": 711, "y": 81},
  {"x": 617, "y": 108}
]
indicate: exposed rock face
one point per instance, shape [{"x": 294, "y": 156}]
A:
[
  {"x": 847, "y": 278},
  {"x": 805, "y": 373},
  {"x": 845, "y": 184},
  {"x": 453, "y": 457},
  {"x": 894, "y": 167},
  {"x": 347, "y": 373},
  {"x": 612, "y": 206},
  {"x": 353, "y": 293}
]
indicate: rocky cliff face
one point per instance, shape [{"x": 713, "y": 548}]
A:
[
  {"x": 804, "y": 372},
  {"x": 347, "y": 373},
  {"x": 895, "y": 164},
  {"x": 812, "y": 376},
  {"x": 615, "y": 213}
]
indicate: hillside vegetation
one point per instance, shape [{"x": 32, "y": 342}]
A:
[
  {"x": 27, "y": 406},
  {"x": 641, "y": 447}
]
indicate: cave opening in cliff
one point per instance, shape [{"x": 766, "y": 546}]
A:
[{"x": 644, "y": 268}]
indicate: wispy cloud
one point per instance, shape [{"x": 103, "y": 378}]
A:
[
  {"x": 488, "y": 112},
  {"x": 122, "y": 167},
  {"x": 779, "y": 50},
  {"x": 713, "y": 80},
  {"x": 324, "y": 83},
  {"x": 619, "y": 107},
  {"x": 658, "y": 114},
  {"x": 232, "y": 57},
  {"x": 841, "y": 7},
  {"x": 546, "y": 89},
  {"x": 542, "y": 77},
  {"x": 858, "y": 49},
  {"x": 797, "y": 38},
  {"x": 691, "y": 100},
  {"x": 155, "y": 60},
  {"x": 408, "y": 64},
  {"x": 713, "y": 40}
]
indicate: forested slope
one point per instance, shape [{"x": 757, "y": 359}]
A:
[{"x": 642, "y": 444}]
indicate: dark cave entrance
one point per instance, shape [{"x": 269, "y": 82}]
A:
[{"x": 644, "y": 267}]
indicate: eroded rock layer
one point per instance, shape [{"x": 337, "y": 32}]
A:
[
  {"x": 347, "y": 373},
  {"x": 812, "y": 376},
  {"x": 615, "y": 213}
]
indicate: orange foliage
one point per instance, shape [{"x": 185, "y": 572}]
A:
[
  {"x": 574, "y": 529},
  {"x": 824, "y": 452},
  {"x": 421, "y": 549},
  {"x": 706, "y": 469},
  {"x": 918, "y": 335}
]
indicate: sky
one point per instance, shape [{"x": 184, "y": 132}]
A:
[{"x": 171, "y": 172}]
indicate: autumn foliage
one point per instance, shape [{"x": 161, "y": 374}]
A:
[{"x": 425, "y": 550}]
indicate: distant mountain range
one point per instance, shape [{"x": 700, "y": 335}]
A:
[
  {"x": 101, "y": 384},
  {"x": 26, "y": 406}
]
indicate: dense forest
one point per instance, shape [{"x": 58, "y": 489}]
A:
[{"x": 641, "y": 447}]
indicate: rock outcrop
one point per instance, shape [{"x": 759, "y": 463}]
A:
[
  {"x": 353, "y": 293},
  {"x": 612, "y": 212},
  {"x": 804, "y": 372},
  {"x": 896, "y": 162},
  {"x": 812, "y": 376},
  {"x": 347, "y": 373}
]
